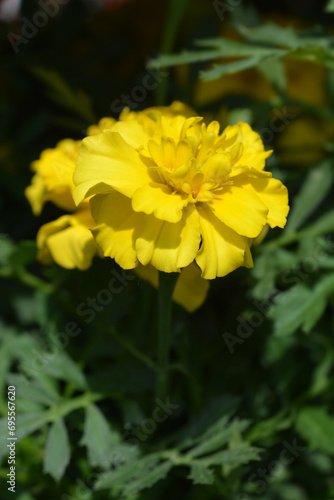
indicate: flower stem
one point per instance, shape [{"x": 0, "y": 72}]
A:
[{"x": 167, "y": 283}]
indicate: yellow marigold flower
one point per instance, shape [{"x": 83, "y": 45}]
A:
[
  {"x": 67, "y": 241},
  {"x": 53, "y": 178},
  {"x": 168, "y": 190}
]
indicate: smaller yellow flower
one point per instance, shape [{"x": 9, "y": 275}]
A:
[
  {"x": 67, "y": 241},
  {"x": 53, "y": 178}
]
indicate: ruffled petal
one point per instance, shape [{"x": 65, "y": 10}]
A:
[
  {"x": 106, "y": 159},
  {"x": 241, "y": 210},
  {"x": 222, "y": 250},
  {"x": 160, "y": 200},
  {"x": 67, "y": 241},
  {"x": 271, "y": 192},
  {"x": 117, "y": 227},
  {"x": 253, "y": 153},
  {"x": 169, "y": 247}
]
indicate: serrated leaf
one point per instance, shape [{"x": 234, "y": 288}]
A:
[
  {"x": 200, "y": 474},
  {"x": 272, "y": 34},
  {"x": 274, "y": 72},
  {"x": 29, "y": 390},
  {"x": 316, "y": 426},
  {"x": 62, "y": 366},
  {"x": 28, "y": 423},
  {"x": 314, "y": 189},
  {"x": 289, "y": 312},
  {"x": 98, "y": 438},
  {"x": 151, "y": 477},
  {"x": 128, "y": 472},
  {"x": 215, "y": 414},
  {"x": 57, "y": 450},
  {"x": 239, "y": 455},
  {"x": 220, "y": 70},
  {"x": 301, "y": 307},
  {"x": 218, "y": 436}
]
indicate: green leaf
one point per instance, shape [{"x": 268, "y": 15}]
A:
[
  {"x": 98, "y": 438},
  {"x": 274, "y": 72},
  {"x": 316, "y": 426},
  {"x": 220, "y": 70},
  {"x": 239, "y": 455},
  {"x": 200, "y": 474},
  {"x": 57, "y": 450},
  {"x": 330, "y": 6},
  {"x": 272, "y": 34},
  {"x": 63, "y": 367},
  {"x": 321, "y": 378},
  {"x": 148, "y": 479},
  {"x": 314, "y": 189},
  {"x": 128, "y": 472},
  {"x": 30, "y": 390},
  {"x": 217, "y": 436},
  {"x": 268, "y": 265},
  {"x": 214, "y": 416},
  {"x": 28, "y": 423},
  {"x": 301, "y": 307}
]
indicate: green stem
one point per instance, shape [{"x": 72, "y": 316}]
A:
[{"x": 167, "y": 283}]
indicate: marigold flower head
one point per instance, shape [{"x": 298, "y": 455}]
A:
[
  {"x": 68, "y": 240},
  {"x": 168, "y": 190}
]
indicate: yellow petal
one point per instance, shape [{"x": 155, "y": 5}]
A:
[
  {"x": 271, "y": 192},
  {"x": 253, "y": 153},
  {"x": 217, "y": 167},
  {"x": 117, "y": 227},
  {"x": 132, "y": 133},
  {"x": 222, "y": 250},
  {"x": 67, "y": 241},
  {"x": 106, "y": 159},
  {"x": 191, "y": 290},
  {"x": 158, "y": 199},
  {"x": 241, "y": 210},
  {"x": 169, "y": 247}
]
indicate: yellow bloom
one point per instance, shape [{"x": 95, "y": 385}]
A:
[
  {"x": 67, "y": 240},
  {"x": 167, "y": 190},
  {"x": 53, "y": 178}
]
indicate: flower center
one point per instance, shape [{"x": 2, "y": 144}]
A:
[{"x": 196, "y": 161}]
